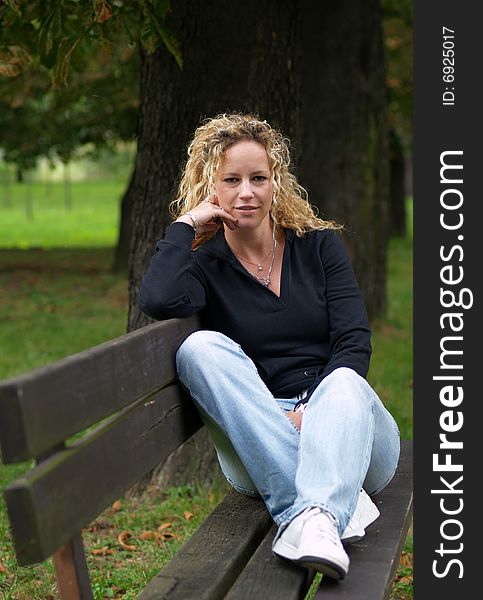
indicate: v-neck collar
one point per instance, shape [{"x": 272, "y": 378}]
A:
[{"x": 219, "y": 246}]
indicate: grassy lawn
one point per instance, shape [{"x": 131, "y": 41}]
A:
[
  {"x": 55, "y": 302},
  {"x": 391, "y": 372},
  {"x": 38, "y": 215}
]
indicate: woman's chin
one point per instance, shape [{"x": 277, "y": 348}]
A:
[{"x": 247, "y": 222}]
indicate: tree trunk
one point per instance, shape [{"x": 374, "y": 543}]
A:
[
  {"x": 318, "y": 75},
  {"x": 121, "y": 254},
  {"x": 398, "y": 192},
  {"x": 236, "y": 56},
  {"x": 67, "y": 189},
  {"x": 7, "y": 196},
  {"x": 29, "y": 200},
  {"x": 344, "y": 153}
]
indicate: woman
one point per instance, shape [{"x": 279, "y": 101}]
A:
[{"x": 278, "y": 371}]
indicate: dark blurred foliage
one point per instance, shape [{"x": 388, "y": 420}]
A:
[
  {"x": 69, "y": 72},
  {"x": 398, "y": 40}
]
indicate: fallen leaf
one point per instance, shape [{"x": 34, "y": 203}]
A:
[
  {"x": 5, "y": 571},
  {"x": 117, "y": 506},
  {"x": 188, "y": 515},
  {"x": 159, "y": 537},
  {"x": 164, "y": 526},
  {"x": 122, "y": 537},
  {"x": 406, "y": 559},
  {"x": 104, "y": 551}
]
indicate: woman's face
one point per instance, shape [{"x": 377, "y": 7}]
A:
[{"x": 244, "y": 184}]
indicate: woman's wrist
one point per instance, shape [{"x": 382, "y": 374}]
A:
[{"x": 189, "y": 219}]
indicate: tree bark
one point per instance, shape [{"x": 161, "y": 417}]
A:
[
  {"x": 230, "y": 62},
  {"x": 344, "y": 154},
  {"x": 236, "y": 57},
  {"x": 398, "y": 193},
  {"x": 121, "y": 254}
]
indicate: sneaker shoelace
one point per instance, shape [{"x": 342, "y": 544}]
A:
[{"x": 324, "y": 526}]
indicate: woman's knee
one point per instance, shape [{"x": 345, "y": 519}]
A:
[
  {"x": 199, "y": 347},
  {"x": 345, "y": 385},
  {"x": 382, "y": 468},
  {"x": 385, "y": 451},
  {"x": 347, "y": 377}
]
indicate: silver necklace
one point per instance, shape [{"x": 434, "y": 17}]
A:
[
  {"x": 265, "y": 281},
  {"x": 259, "y": 265}
]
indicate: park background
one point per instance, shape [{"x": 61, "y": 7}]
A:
[{"x": 70, "y": 140}]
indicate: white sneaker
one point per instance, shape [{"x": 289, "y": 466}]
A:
[
  {"x": 365, "y": 513},
  {"x": 312, "y": 540}
]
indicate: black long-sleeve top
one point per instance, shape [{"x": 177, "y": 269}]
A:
[{"x": 318, "y": 323}]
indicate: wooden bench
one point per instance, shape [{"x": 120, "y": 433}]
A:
[{"x": 128, "y": 389}]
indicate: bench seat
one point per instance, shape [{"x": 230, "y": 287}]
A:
[{"x": 230, "y": 555}]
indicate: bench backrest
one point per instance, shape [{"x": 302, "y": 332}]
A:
[{"x": 125, "y": 393}]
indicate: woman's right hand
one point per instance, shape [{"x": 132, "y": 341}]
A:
[
  {"x": 209, "y": 215},
  {"x": 296, "y": 418}
]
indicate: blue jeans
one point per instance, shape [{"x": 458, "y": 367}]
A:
[{"x": 348, "y": 439}]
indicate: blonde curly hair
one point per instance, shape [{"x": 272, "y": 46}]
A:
[{"x": 290, "y": 206}]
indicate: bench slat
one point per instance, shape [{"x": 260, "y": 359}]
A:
[
  {"x": 375, "y": 558},
  {"x": 67, "y": 491},
  {"x": 210, "y": 561},
  {"x": 267, "y": 576},
  {"x": 48, "y": 405}
]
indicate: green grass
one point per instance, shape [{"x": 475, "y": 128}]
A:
[
  {"x": 125, "y": 546},
  {"x": 392, "y": 360},
  {"x": 57, "y": 302},
  {"x": 36, "y": 215}
]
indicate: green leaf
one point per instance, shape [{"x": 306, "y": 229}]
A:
[
  {"x": 168, "y": 37},
  {"x": 48, "y": 57},
  {"x": 46, "y": 36},
  {"x": 14, "y": 5},
  {"x": 61, "y": 67},
  {"x": 148, "y": 38}
]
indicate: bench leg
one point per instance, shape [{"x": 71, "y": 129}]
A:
[{"x": 71, "y": 571}]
